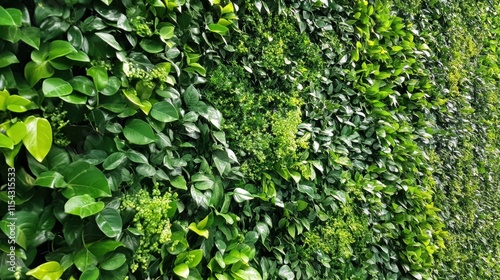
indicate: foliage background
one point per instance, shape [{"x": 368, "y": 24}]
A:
[{"x": 251, "y": 139}]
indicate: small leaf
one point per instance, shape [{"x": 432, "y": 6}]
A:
[
  {"x": 100, "y": 76},
  {"x": 191, "y": 96},
  {"x": 17, "y": 104},
  {"x": 50, "y": 179},
  {"x": 34, "y": 72},
  {"x": 17, "y": 131},
  {"x": 286, "y": 273},
  {"x": 200, "y": 232},
  {"x": 56, "y": 87},
  {"x": 114, "y": 262},
  {"x": 179, "y": 182},
  {"x": 114, "y": 160},
  {"x": 10, "y": 17},
  {"x": 60, "y": 48},
  {"x": 6, "y": 142},
  {"x": 217, "y": 28},
  {"x": 84, "y": 259},
  {"x": 7, "y": 58},
  {"x": 83, "y": 206},
  {"x": 167, "y": 32}
]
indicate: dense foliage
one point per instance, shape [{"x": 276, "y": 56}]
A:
[{"x": 251, "y": 139}]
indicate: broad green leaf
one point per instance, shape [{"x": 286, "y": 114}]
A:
[
  {"x": 139, "y": 132},
  {"x": 191, "y": 96},
  {"x": 83, "y": 84},
  {"x": 114, "y": 262},
  {"x": 200, "y": 232},
  {"x": 6, "y": 142},
  {"x": 10, "y": 17},
  {"x": 17, "y": 104},
  {"x": 48, "y": 271},
  {"x": 100, "y": 76},
  {"x": 31, "y": 36},
  {"x": 215, "y": 117},
  {"x": 38, "y": 139},
  {"x": 50, "y": 179},
  {"x": 136, "y": 157},
  {"x": 17, "y": 131},
  {"x": 34, "y": 72},
  {"x": 248, "y": 273},
  {"x": 114, "y": 160},
  {"x": 60, "y": 48},
  {"x": 83, "y": 178},
  {"x": 110, "y": 222},
  {"x": 79, "y": 56},
  {"x": 56, "y": 87},
  {"x": 182, "y": 270},
  {"x": 101, "y": 248},
  {"x": 229, "y": 8},
  {"x": 179, "y": 182},
  {"x": 241, "y": 195},
  {"x": 92, "y": 273},
  {"x": 83, "y": 206},
  {"x": 7, "y": 58},
  {"x": 84, "y": 259},
  {"x": 110, "y": 40},
  {"x": 167, "y": 32},
  {"x": 164, "y": 111},
  {"x": 217, "y": 28},
  {"x": 152, "y": 46}
]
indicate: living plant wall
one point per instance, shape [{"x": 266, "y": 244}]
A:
[{"x": 249, "y": 139}]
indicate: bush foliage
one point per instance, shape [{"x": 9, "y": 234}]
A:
[{"x": 250, "y": 139}]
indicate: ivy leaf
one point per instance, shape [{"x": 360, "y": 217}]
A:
[
  {"x": 38, "y": 139},
  {"x": 83, "y": 206}
]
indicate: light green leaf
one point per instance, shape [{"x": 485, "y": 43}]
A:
[
  {"x": 167, "y": 32},
  {"x": 6, "y": 142},
  {"x": 200, "y": 232},
  {"x": 179, "y": 182},
  {"x": 114, "y": 160},
  {"x": 83, "y": 84},
  {"x": 38, "y": 139},
  {"x": 110, "y": 222},
  {"x": 139, "y": 132},
  {"x": 48, "y": 271},
  {"x": 17, "y": 104},
  {"x": 248, "y": 273},
  {"x": 83, "y": 206},
  {"x": 217, "y": 28},
  {"x": 56, "y": 87},
  {"x": 75, "y": 98},
  {"x": 31, "y": 36},
  {"x": 79, "y": 56},
  {"x": 164, "y": 111},
  {"x": 182, "y": 270},
  {"x": 17, "y": 131}
]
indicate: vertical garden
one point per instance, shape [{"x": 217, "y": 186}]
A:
[{"x": 249, "y": 139}]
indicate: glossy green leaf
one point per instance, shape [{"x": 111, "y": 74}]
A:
[
  {"x": 286, "y": 273},
  {"x": 60, "y": 48},
  {"x": 248, "y": 273},
  {"x": 6, "y": 142},
  {"x": 10, "y": 17},
  {"x": 83, "y": 206},
  {"x": 50, "y": 179},
  {"x": 17, "y": 104},
  {"x": 110, "y": 222},
  {"x": 114, "y": 160},
  {"x": 47, "y": 271},
  {"x": 217, "y": 28},
  {"x": 200, "y": 232},
  {"x": 164, "y": 111},
  {"x": 182, "y": 270},
  {"x": 167, "y": 32},
  {"x": 84, "y": 259},
  {"x": 152, "y": 46},
  {"x": 110, "y": 40},
  {"x": 91, "y": 273},
  {"x": 7, "y": 58},
  {"x": 139, "y": 132},
  {"x": 114, "y": 262},
  {"x": 17, "y": 131},
  {"x": 56, "y": 87},
  {"x": 191, "y": 96},
  {"x": 100, "y": 76},
  {"x": 38, "y": 139},
  {"x": 179, "y": 182},
  {"x": 85, "y": 179},
  {"x": 34, "y": 72}
]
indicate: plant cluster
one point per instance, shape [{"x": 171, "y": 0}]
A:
[{"x": 250, "y": 139}]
